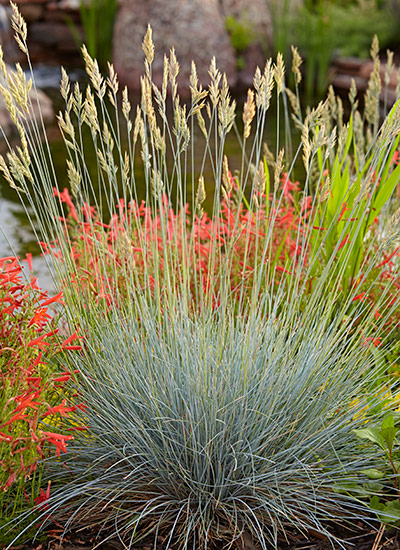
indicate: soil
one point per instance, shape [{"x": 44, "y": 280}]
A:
[{"x": 362, "y": 538}]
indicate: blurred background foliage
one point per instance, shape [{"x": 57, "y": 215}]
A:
[{"x": 323, "y": 29}]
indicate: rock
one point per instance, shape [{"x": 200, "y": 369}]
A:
[
  {"x": 46, "y": 108},
  {"x": 367, "y": 68},
  {"x": 348, "y": 65},
  {"x": 50, "y": 34},
  {"x": 360, "y": 71},
  {"x": 255, "y": 14},
  {"x": 343, "y": 82},
  {"x": 70, "y": 5},
  {"x": 196, "y": 28},
  {"x": 53, "y": 13},
  {"x": 31, "y": 12}
]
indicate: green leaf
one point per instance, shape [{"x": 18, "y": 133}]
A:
[
  {"x": 391, "y": 511},
  {"x": 373, "y": 487},
  {"x": 373, "y": 473},
  {"x": 376, "y": 504},
  {"x": 385, "y": 191},
  {"x": 373, "y": 434},
  {"x": 388, "y": 422},
  {"x": 388, "y": 431}
]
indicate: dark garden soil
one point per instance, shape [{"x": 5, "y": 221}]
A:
[{"x": 356, "y": 539}]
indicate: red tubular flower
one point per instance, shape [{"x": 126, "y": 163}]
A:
[
  {"x": 40, "y": 317},
  {"x": 27, "y": 342},
  {"x": 344, "y": 242},
  {"x": 39, "y": 340},
  {"x": 56, "y": 298},
  {"x": 62, "y": 409},
  {"x": 28, "y": 260},
  {"x": 58, "y": 440},
  {"x": 43, "y": 497},
  {"x": 11, "y": 480}
]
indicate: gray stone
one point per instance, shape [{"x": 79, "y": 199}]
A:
[
  {"x": 255, "y": 14},
  {"x": 196, "y": 28},
  {"x": 70, "y": 4},
  {"x": 31, "y": 12},
  {"x": 50, "y": 34},
  {"x": 343, "y": 82},
  {"x": 367, "y": 68}
]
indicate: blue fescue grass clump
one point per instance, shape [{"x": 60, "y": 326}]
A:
[{"x": 204, "y": 429}]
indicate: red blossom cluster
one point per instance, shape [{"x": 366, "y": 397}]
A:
[
  {"x": 31, "y": 409},
  {"x": 144, "y": 242},
  {"x": 236, "y": 238}
]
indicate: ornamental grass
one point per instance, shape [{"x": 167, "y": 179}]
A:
[{"x": 236, "y": 322}]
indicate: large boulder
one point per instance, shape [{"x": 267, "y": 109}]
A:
[
  {"x": 256, "y": 14},
  {"x": 255, "y": 18},
  {"x": 196, "y": 28}
]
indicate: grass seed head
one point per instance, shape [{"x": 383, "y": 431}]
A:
[
  {"x": 249, "y": 110},
  {"x": 148, "y": 45},
  {"x": 296, "y": 64},
  {"x": 19, "y": 26},
  {"x": 279, "y": 73},
  {"x": 74, "y": 177}
]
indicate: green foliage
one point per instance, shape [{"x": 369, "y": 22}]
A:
[
  {"x": 241, "y": 35},
  {"x": 282, "y": 16},
  {"x": 10, "y": 533},
  {"x": 97, "y": 17},
  {"x": 353, "y": 26},
  {"x": 323, "y": 28},
  {"x": 387, "y": 503},
  {"x": 341, "y": 212}
]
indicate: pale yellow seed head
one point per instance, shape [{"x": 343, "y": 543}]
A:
[
  {"x": 259, "y": 178},
  {"x": 279, "y": 73},
  {"x": 112, "y": 81},
  {"x": 257, "y": 81},
  {"x": 296, "y": 64},
  {"x": 74, "y": 178},
  {"x": 19, "y": 26},
  {"x": 65, "y": 84},
  {"x": 126, "y": 106},
  {"x": 249, "y": 111},
  {"x": 226, "y": 180},
  {"x": 3, "y": 68},
  {"x": 353, "y": 95},
  {"x": 374, "y": 51},
  {"x": 165, "y": 77},
  {"x": 278, "y": 168},
  {"x": 148, "y": 45},
  {"x": 389, "y": 67},
  {"x": 201, "y": 194}
]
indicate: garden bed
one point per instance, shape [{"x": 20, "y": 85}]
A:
[{"x": 360, "y": 538}]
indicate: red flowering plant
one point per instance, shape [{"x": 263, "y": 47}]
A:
[
  {"x": 33, "y": 397},
  {"x": 196, "y": 251}
]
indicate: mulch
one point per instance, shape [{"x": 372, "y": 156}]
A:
[{"x": 384, "y": 538}]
